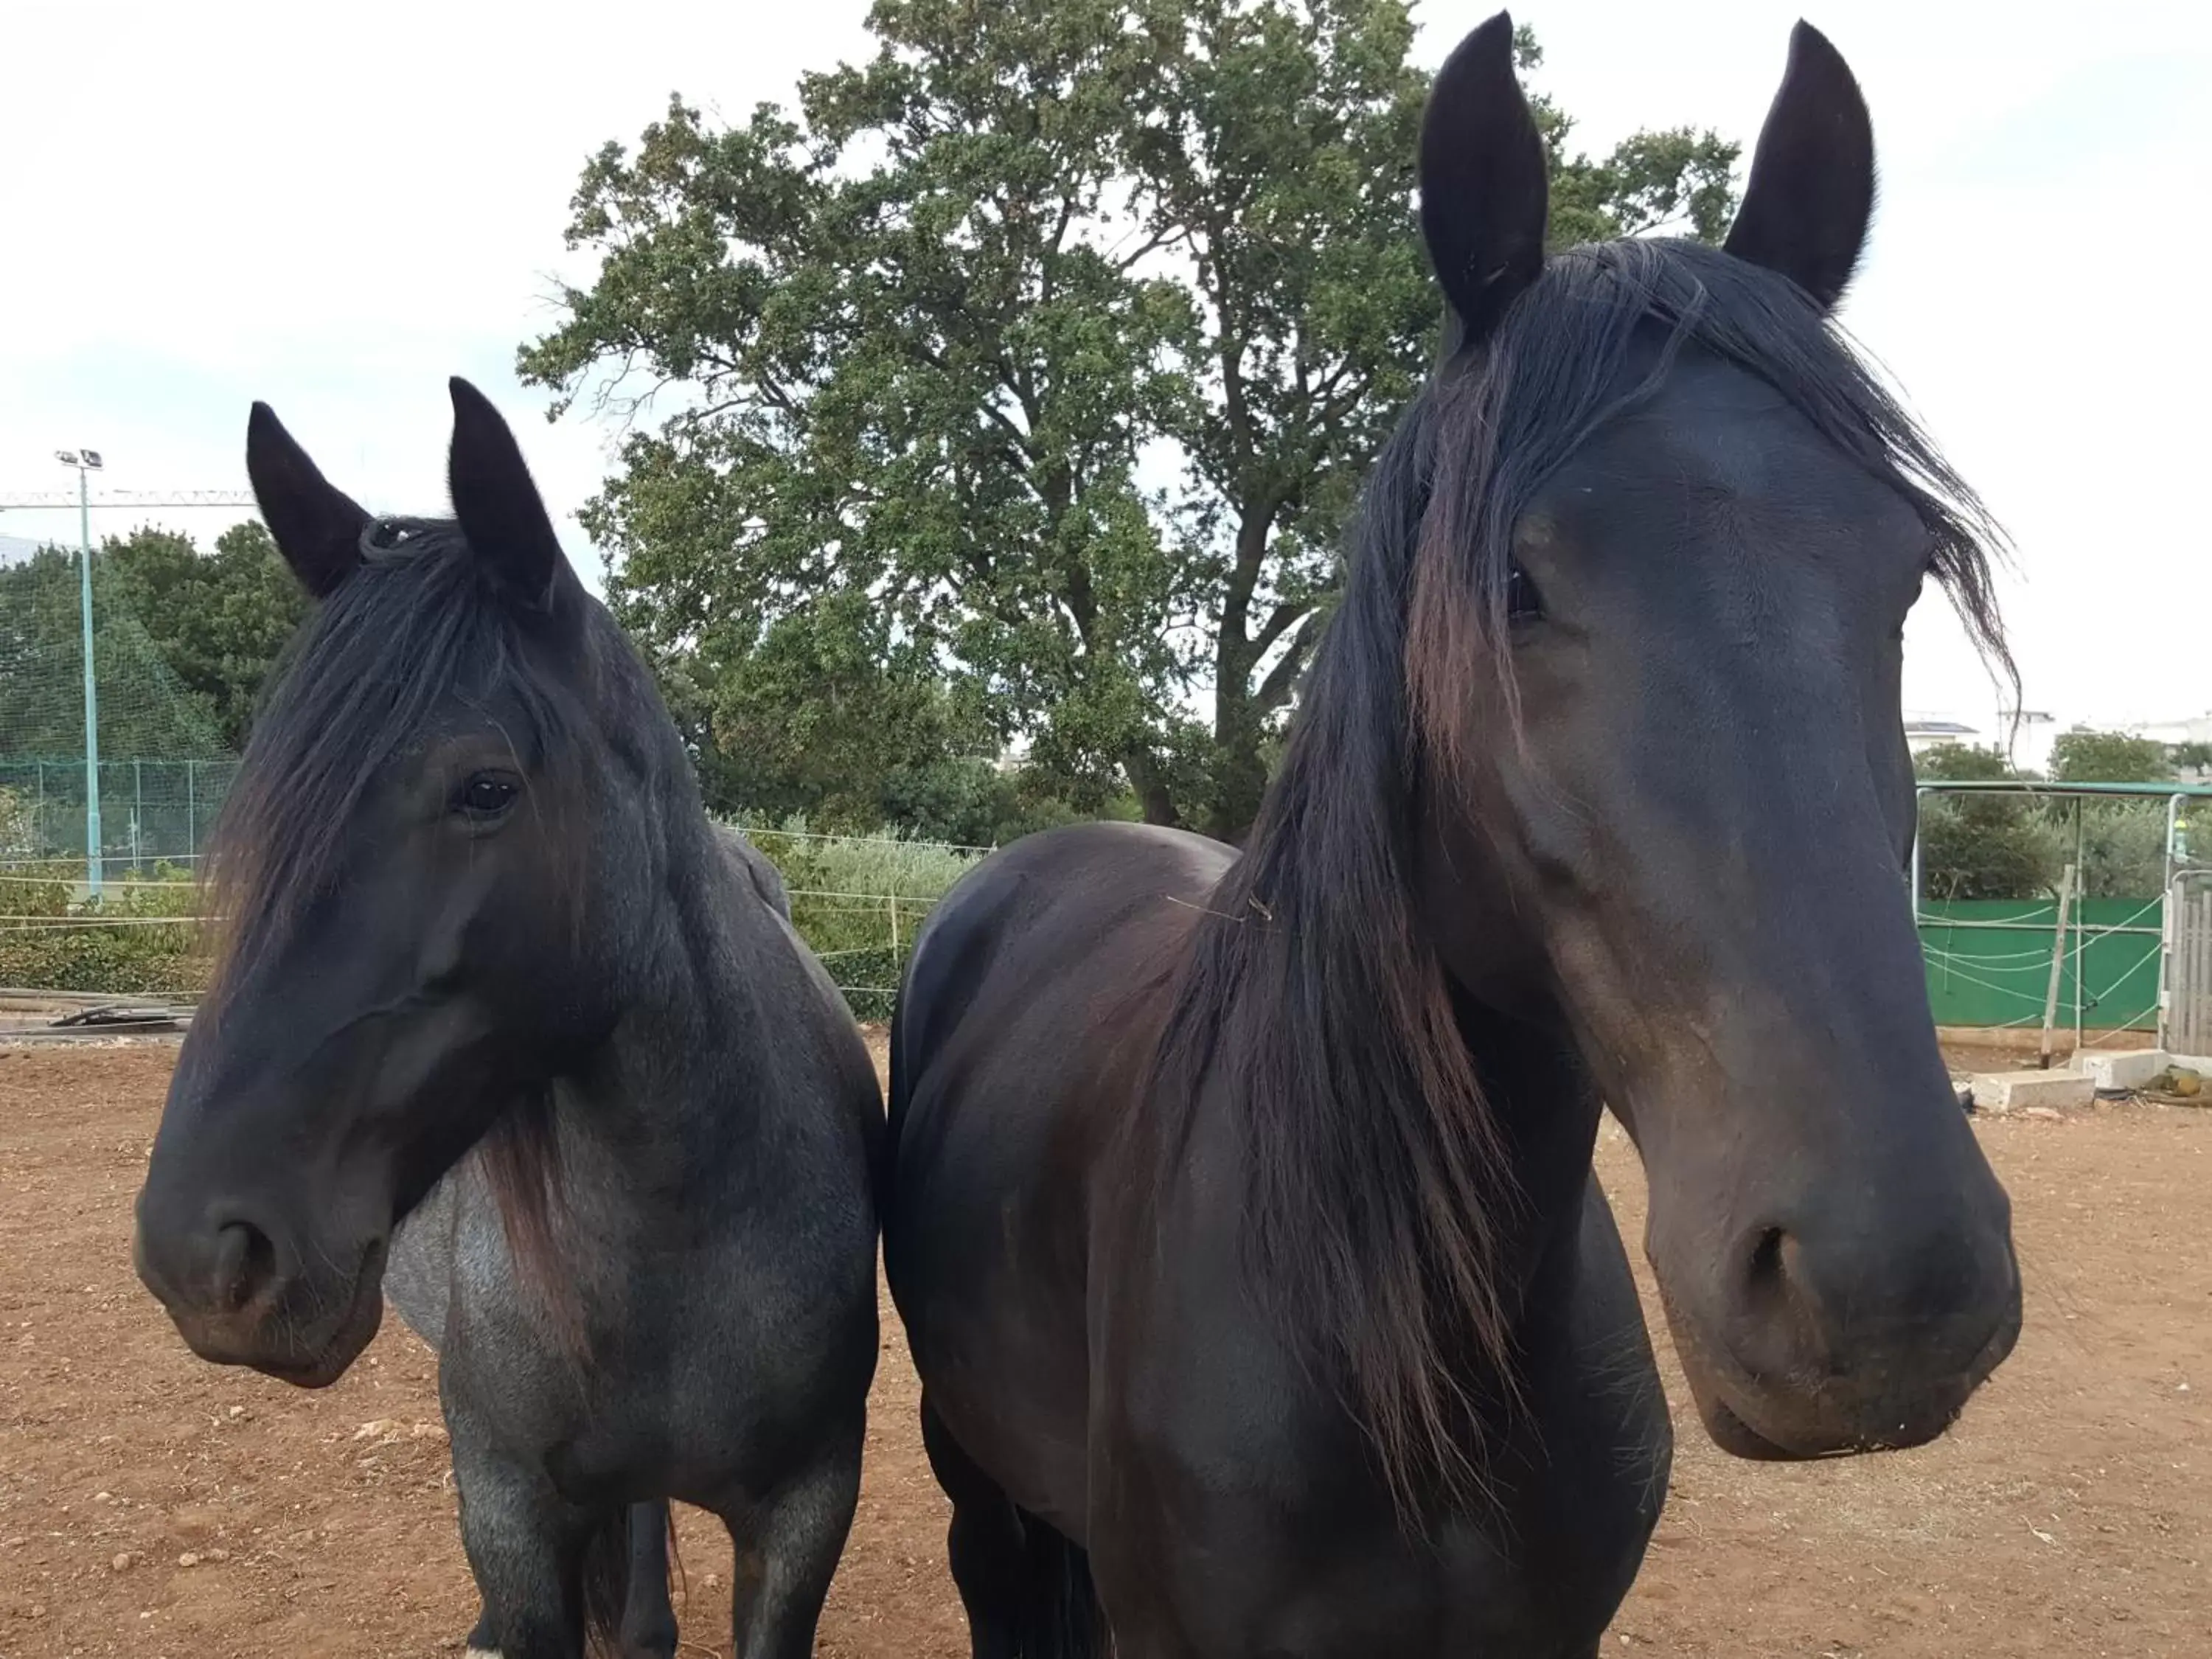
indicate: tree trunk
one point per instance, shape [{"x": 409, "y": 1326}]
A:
[
  {"x": 1159, "y": 806},
  {"x": 1240, "y": 776}
]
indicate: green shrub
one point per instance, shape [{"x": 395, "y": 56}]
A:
[
  {"x": 52, "y": 938},
  {"x": 857, "y": 901}
]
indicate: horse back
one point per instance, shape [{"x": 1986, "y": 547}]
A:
[{"x": 1028, "y": 1013}]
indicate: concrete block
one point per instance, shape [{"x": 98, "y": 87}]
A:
[
  {"x": 2011, "y": 1092},
  {"x": 2127, "y": 1068}
]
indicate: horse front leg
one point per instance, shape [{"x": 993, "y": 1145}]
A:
[
  {"x": 526, "y": 1547},
  {"x": 786, "y": 1548},
  {"x": 649, "y": 1619}
]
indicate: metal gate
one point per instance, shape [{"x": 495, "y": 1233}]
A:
[{"x": 2185, "y": 1002}]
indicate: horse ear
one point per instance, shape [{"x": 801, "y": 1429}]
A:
[
  {"x": 498, "y": 507},
  {"x": 316, "y": 527},
  {"x": 1811, "y": 190},
  {"x": 1484, "y": 184}
]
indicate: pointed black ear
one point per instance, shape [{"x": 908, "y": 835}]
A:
[
  {"x": 316, "y": 527},
  {"x": 498, "y": 507},
  {"x": 1811, "y": 190},
  {"x": 1485, "y": 186}
]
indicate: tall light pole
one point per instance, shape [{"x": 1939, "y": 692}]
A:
[{"x": 87, "y": 462}]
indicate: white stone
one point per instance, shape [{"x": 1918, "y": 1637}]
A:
[
  {"x": 2127, "y": 1068},
  {"x": 2009, "y": 1092}
]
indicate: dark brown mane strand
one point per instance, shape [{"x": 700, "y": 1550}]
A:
[
  {"x": 1313, "y": 1009},
  {"x": 520, "y": 1160}
]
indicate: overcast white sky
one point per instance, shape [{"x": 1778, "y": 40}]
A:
[{"x": 201, "y": 205}]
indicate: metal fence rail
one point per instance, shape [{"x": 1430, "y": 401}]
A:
[
  {"x": 152, "y": 811},
  {"x": 857, "y": 900}
]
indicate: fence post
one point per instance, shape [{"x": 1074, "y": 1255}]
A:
[
  {"x": 2057, "y": 964},
  {"x": 138, "y": 817},
  {"x": 191, "y": 818},
  {"x": 894, "y": 945}
]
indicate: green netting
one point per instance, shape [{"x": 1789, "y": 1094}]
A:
[
  {"x": 164, "y": 766},
  {"x": 150, "y": 810}
]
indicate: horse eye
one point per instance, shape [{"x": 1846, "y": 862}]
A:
[
  {"x": 487, "y": 795},
  {"x": 1520, "y": 602}
]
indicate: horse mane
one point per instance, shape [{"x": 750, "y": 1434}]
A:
[
  {"x": 414, "y": 626},
  {"x": 1313, "y": 1006}
]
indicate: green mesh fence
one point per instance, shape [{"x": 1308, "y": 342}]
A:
[
  {"x": 164, "y": 766},
  {"x": 151, "y": 812}
]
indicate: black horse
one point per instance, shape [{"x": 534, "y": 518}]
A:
[
  {"x": 504, "y": 1023},
  {"x": 1241, "y": 1212}
]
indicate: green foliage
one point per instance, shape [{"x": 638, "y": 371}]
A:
[
  {"x": 19, "y": 827},
  {"x": 858, "y": 901},
  {"x": 1987, "y": 846},
  {"x": 926, "y": 329},
  {"x": 182, "y": 642},
  {"x": 2193, "y": 758},
  {"x": 2121, "y": 846},
  {"x": 2079, "y": 757},
  {"x": 143, "y": 710},
  {"x": 2017, "y": 845},
  {"x": 1962, "y": 762},
  {"x": 53, "y": 940},
  {"x": 220, "y": 621},
  {"x": 1996, "y": 846}
]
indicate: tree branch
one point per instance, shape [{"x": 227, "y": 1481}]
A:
[
  {"x": 1283, "y": 678},
  {"x": 1280, "y": 621}
]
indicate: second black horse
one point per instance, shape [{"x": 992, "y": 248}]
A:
[{"x": 1242, "y": 1214}]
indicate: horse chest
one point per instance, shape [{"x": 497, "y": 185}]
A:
[
  {"x": 691, "y": 1374},
  {"x": 1235, "y": 1507}
]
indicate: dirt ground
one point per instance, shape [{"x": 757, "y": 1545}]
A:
[{"x": 151, "y": 1505}]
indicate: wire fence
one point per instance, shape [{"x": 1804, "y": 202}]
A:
[
  {"x": 2045, "y": 903},
  {"x": 857, "y": 900},
  {"x": 152, "y": 811}
]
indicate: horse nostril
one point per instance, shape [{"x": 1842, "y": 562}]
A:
[
  {"x": 245, "y": 1262},
  {"x": 1775, "y": 1291},
  {"x": 1769, "y": 1273}
]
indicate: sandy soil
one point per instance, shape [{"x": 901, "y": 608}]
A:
[{"x": 154, "y": 1506}]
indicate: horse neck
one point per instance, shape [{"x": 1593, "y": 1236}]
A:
[
  {"x": 1546, "y": 1108},
  {"x": 675, "y": 1093}
]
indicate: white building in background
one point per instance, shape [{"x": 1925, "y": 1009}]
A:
[
  {"x": 2027, "y": 737},
  {"x": 2198, "y": 729},
  {"x": 1927, "y": 732},
  {"x": 2195, "y": 729}
]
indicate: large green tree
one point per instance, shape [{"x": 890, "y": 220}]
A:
[
  {"x": 220, "y": 620},
  {"x": 182, "y": 640},
  {"x": 1021, "y": 379},
  {"x": 1995, "y": 845},
  {"x": 2120, "y": 845},
  {"x": 2085, "y": 757}
]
